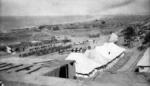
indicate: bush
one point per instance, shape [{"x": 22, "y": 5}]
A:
[
  {"x": 129, "y": 35},
  {"x": 41, "y": 27},
  {"x": 56, "y": 28},
  {"x": 147, "y": 38},
  {"x": 129, "y": 32},
  {"x": 2, "y": 48},
  {"x": 103, "y": 22}
]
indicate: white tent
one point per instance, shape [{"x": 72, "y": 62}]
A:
[
  {"x": 105, "y": 53},
  {"x": 83, "y": 65},
  {"x": 8, "y": 49},
  {"x": 96, "y": 57},
  {"x": 113, "y": 38},
  {"x": 145, "y": 61},
  {"x": 91, "y": 59},
  {"x": 109, "y": 50}
]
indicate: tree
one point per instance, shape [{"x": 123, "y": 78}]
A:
[
  {"x": 147, "y": 38},
  {"x": 129, "y": 35},
  {"x": 103, "y": 22},
  {"x": 41, "y": 27}
]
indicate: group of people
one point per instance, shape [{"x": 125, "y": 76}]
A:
[
  {"x": 40, "y": 47},
  {"x": 84, "y": 42},
  {"x": 43, "y": 50},
  {"x": 77, "y": 50},
  {"x": 24, "y": 45}
]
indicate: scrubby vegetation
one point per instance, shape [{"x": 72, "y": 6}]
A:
[
  {"x": 136, "y": 32},
  {"x": 147, "y": 38},
  {"x": 129, "y": 35}
]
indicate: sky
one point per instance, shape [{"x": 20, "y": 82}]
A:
[{"x": 73, "y": 7}]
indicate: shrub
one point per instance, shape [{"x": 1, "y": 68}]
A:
[
  {"x": 56, "y": 28},
  {"x": 147, "y": 38},
  {"x": 129, "y": 35},
  {"x": 103, "y": 22}
]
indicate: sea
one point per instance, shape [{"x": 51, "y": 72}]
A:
[{"x": 18, "y": 22}]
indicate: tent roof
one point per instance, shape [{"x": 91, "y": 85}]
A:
[
  {"x": 109, "y": 50},
  {"x": 94, "y": 58},
  {"x": 113, "y": 37},
  {"x": 83, "y": 65},
  {"x": 145, "y": 60}
]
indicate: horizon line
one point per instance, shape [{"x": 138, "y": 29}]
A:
[{"x": 74, "y": 15}]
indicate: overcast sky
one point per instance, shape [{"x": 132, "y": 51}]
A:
[{"x": 72, "y": 7}]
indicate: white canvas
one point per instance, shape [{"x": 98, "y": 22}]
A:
[
  {"x": 82, "y": 64},
  {"x": 113, "y": 38},
  {"x": 145, "y": 60},
  {"x": 94, "y": 58}
]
